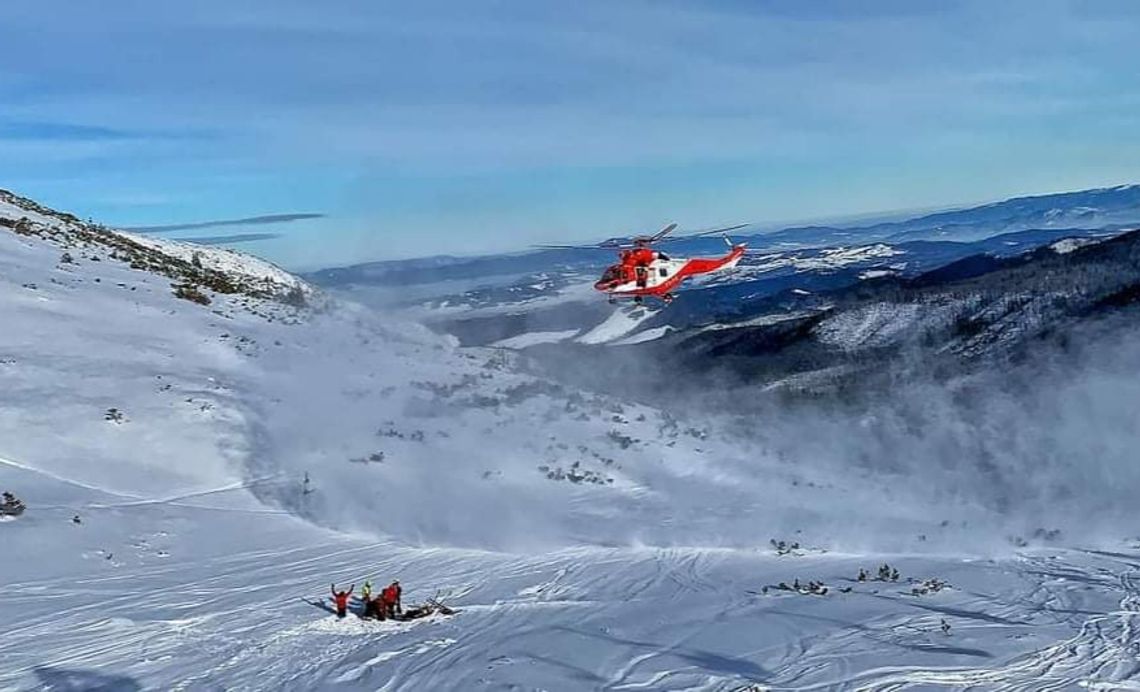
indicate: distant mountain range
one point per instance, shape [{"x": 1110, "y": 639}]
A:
[
  {"x": 810, "y": 310},
  {"x": 537, "y": 300},
  {"x": 1098, "y": 209},
  {"x": 978, "y": 310}
]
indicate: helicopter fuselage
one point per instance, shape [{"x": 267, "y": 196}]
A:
[{"x": 643, "y": 272}]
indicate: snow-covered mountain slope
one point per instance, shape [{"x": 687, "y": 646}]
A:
[
  {"x": 377, "y": 412},
  {"x": 192, "y": 267},
  {"x": 226, "y": 461},
  {"x": 979, "y": 313}
]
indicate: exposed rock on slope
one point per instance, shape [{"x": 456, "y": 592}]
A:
[{"x": 193, "y": 269}]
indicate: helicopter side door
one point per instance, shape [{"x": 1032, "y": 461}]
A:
[{"x": 661, "y": 271}]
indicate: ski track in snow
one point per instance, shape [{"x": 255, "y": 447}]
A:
[
  {"x": 590, "y": 618},
  {"x": 1104, "y": 654}
]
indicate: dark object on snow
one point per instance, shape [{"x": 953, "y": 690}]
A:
[
  {"x": 76, "y": 520},
  {"x": 11, "y": 506},
  {"x": 812, "y": 588},
  {"x": 320, "y": 603},
  {"x": 416, "y": 613},
  {"x": 783, "y": 547},
  {"x": 886, "y": 573},
  {"x": 430, "y": 608},
  {"x": 373, "y": 609},
  {"x": 932, "y": 585}
]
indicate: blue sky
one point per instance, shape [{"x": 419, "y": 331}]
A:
[{"x": 462, "y": 127}]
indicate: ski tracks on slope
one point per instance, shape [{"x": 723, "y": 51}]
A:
[{"x": 1103, "y": 655}]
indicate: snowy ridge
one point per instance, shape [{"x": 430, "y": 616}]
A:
[
  {"x": 15, "y": 207},
  {"x": 196, "y": 267},
  {"x": 223, "y": 260}
]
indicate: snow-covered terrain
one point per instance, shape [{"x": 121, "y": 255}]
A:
[
  {"x": 621, "y": 321},
  {"x": 533, "y": 338},
  {"x": 827, "y": 259},
  {"x": 198, "y": 471},
  {"x": 1064, "y": 247}
]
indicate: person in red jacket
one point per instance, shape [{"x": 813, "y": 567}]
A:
[
  {"x": 341, "y": 599},
  {"x": 391, "y": 595}
]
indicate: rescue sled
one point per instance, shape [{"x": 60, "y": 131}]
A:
[{"x": 426, "y": 610}]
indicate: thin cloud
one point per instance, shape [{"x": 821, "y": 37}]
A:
[
  {"x": 29, "y": 130},
  {"x": 231, "y": 239},
  {"x": 62, "y": 131},
  {"x": 248, "y": 221}
]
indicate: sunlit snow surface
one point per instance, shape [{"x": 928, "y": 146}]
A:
[{"x": 588, "y": 543}]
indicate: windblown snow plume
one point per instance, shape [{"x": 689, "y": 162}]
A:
[{"x": 988, "y": 454}]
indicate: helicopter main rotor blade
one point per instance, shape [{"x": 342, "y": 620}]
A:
[
  {"x": 570, "y": 247},
  {"x": 701, "y": 234},
  {"x": 714, "y": 231},
  {"x": 662, "y": 233},
  {"x": 611, "y": 244},
  {"x": 641, "y": 240}
]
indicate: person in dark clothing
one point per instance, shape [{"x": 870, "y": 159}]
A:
[
  {"x": 341, "y": 599},
  {"x": 373, "y": 609}
]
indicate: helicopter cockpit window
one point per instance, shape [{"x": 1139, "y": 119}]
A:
[
  {"x": 662, "y": 256},
  {"x": 612, "y": 274}
]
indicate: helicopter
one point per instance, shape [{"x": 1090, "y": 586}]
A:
[{"x": 644, "y": 272}]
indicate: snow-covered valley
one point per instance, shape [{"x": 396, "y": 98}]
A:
[{"x": 196, "y": 475}]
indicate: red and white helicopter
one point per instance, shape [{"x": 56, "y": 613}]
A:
[{"x": 642, "y": 271}]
